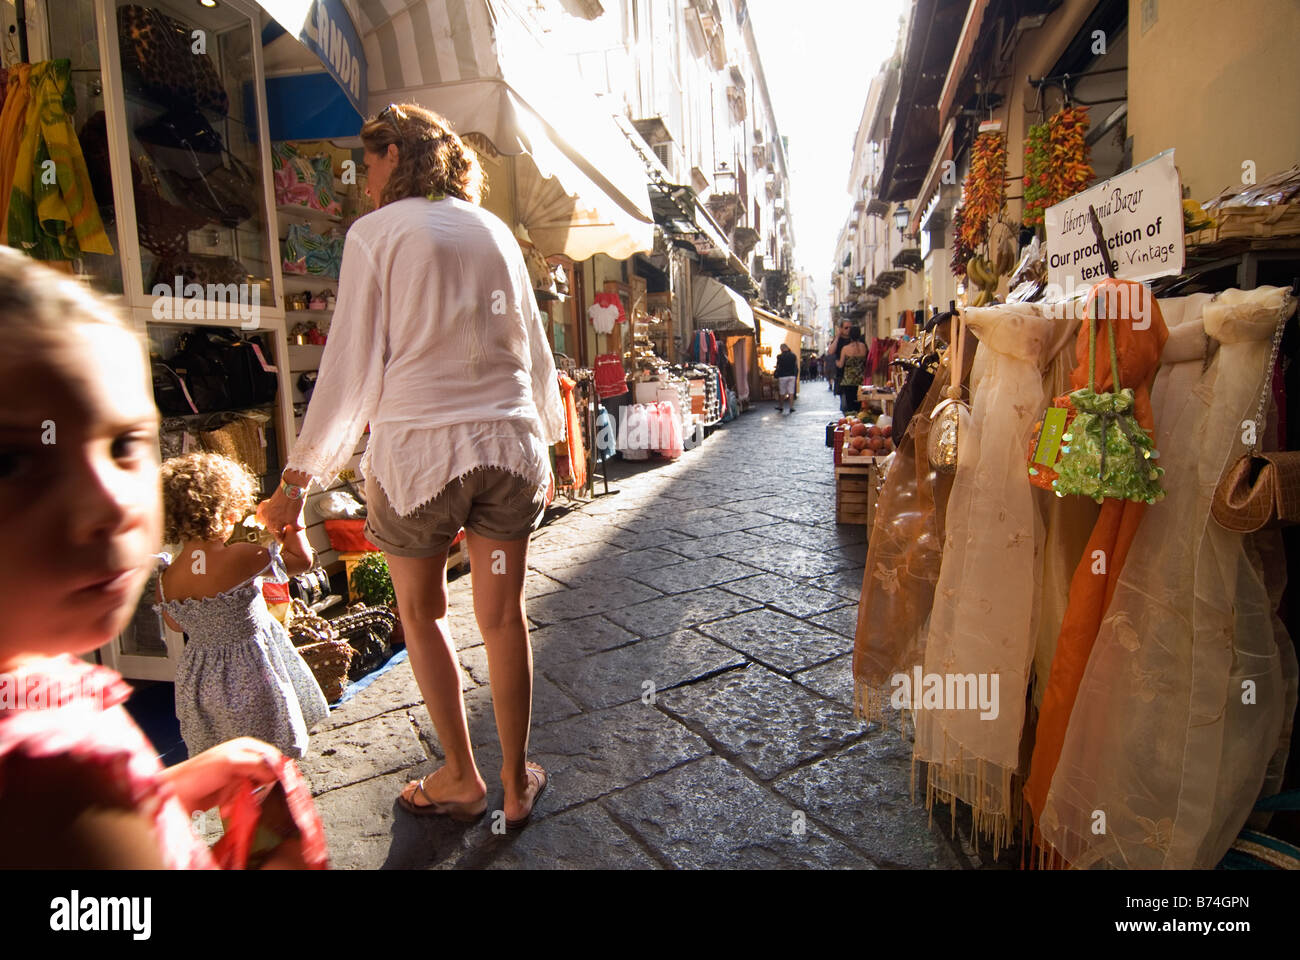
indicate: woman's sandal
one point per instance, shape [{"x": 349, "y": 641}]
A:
[
  {"x": 461, "y": 811},
  {"x": 530, "y": 769}
]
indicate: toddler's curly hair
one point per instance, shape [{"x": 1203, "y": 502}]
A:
[{"x": 199, "y": 491}]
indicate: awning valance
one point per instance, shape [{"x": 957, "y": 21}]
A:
[
  {"x": 718, "y": 307},
  {"x": 326, "y": 28},
  {"x": 477, "y": 64},
  {"x": 783, "y": 322}
]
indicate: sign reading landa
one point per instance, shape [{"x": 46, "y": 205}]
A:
[{"x": 1141, "y": 215}]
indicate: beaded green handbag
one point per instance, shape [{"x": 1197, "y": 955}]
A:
[{"x": 1107, "y": 453}]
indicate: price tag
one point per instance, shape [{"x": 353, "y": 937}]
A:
[{"x": 1049, "y": 438}]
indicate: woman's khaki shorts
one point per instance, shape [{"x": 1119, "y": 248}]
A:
[{"x": 491, "y": 502}]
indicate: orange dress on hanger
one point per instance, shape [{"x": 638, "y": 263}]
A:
[{"x": 1094, "y": 580}]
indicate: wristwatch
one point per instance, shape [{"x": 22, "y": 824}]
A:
[{"x": 291, "y": 491}]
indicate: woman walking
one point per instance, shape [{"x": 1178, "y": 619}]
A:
[{"x": 438, "y": 344}]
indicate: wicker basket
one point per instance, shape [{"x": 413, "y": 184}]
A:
[
  {"x": 1270, "y": 208},
  {"x": 329, "y": 661}
]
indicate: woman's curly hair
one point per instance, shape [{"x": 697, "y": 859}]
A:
[
  {"x": 431, "y": 159},
  {"x": 200, "y": 490}
]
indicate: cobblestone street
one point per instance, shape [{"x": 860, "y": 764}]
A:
[{"x": 722, "y": 584}]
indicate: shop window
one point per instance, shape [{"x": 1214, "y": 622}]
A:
[
  {"x": 188, "y": 79},
  {"x": 73, "y": 38}
]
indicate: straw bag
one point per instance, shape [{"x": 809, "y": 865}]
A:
[
  {"x": 243, "y": 439},
  {"x": 329, "y": 662},
  {"x": 1260, "y": 489},
  {"x": 328, "y": 657},
  {"x": 951, "y": 416}
]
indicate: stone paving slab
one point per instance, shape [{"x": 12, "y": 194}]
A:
[
  {"x": 863, "y": 793},
  {"x": 808, "y": 535},
  {"x": 394, "y": 690},
  {"x": 778, "y": 640},
  {"x": 619, "y": 676},
  {"x": 709, "y": 815},
  {"x": 584, "y": 601},
  {"x": 366, "y": 830},
  {"x": 792, "y": 560},
  {"x": 735, "y": 544},
  {"x": 539, "y": 584},
  {"x": 726, "y": 523},
  {"x": 593, "y": 754},
  {"x": 847, "y": 583},
  {"x": 360, "y": 751},
  {"x": 619, "y": 565},
  {"x": 574, "y": 639},
  {"x": 833, "y": 679},
  {"x": 843, "y": 621},
  {"x": 687, "y": 575},
  {"x": 583, "y": 838},
  {"x": 855, "y": 552},
  {"x": 790, "y": 596},
  {"x": 763, "y": 720},
  {"x": 654, "y": 618},
  {"x": 663, "y": 537}
]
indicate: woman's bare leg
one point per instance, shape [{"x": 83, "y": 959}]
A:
[
  {"x": 421, "y": 587},
  {"x": 498, "y": 568}
]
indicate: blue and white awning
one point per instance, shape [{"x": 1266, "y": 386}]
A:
[{"x": 583, "y": 190}]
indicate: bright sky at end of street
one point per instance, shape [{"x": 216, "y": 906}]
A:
[{"x": 819, "y": 57}]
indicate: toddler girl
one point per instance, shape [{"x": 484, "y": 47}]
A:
[
  {"x": 240, "y": 674},
  {"x": 80, "y": 517}
]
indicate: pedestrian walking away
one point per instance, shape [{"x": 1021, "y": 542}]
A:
[
  {"x": 462, "y": 398},
  {"x": 787, "y": 377}
]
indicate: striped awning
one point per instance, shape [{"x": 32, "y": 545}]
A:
[{"x": 480, "y": 66}]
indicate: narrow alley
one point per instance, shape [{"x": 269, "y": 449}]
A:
[{"x": 693, "y": 639}]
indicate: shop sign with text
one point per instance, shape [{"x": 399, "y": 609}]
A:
[{"x": 1141, "y": 218}]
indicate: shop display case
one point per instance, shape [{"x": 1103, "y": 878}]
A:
[{"x": 169, "y": 105}]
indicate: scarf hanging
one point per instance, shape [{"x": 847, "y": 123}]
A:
[
  {"x": 56, "y": 220},
  {"x": 1107, "y": 549},
  {"x": 984, "y": 620},
  {"x": 577, "y": 455},
  {"x": 1161, "y": 739}
]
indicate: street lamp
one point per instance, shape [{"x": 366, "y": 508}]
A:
[{"x": 901, "y": 216}]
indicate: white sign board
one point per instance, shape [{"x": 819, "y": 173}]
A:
[{"x": 1141, "y": 214}]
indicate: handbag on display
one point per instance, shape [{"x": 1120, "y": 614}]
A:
[
  {"x": 1260, "y": 490},
  {"x": 1106, "y": 453},
  {"x": 950, "y": 417},
  {"x": 312, "y": 586},
  {"x": 370, "y": 632},
  {"x": 201, "y": 171},
  {"x": 163, "y": 227},
  {"x": 303, "y": 181},
  {"x": 307, "y": 252},
  {"x": 159, "y": 61}
]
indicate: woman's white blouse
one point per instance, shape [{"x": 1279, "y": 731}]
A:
[{"x": 438, "y": 344}]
